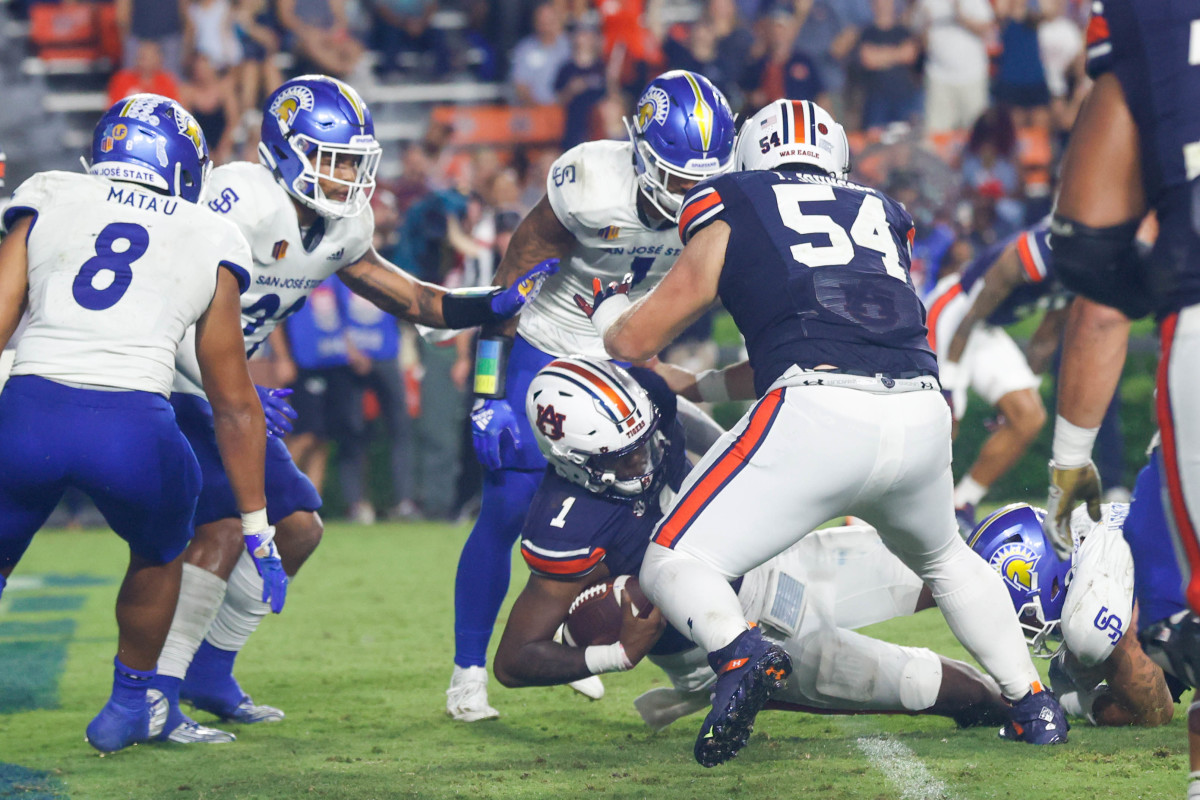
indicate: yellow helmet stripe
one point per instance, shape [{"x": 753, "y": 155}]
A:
[
  {"x": 702, "y": 111},
  {"x": 355, "y": 101}
]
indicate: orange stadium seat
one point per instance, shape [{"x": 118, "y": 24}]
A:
[
  {"x": 65, "y": 31},
  {"x": 502, "y": 125}
]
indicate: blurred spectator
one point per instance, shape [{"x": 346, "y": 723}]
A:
[
  {"x": 404, "y": 36},
  {"x": 580, "y": 85},
  {"x": 956, "y": 60},
  {"x": 1020, "y": 77},
  {"x": 734, "y": 43},
  {"x": 538, "y": 57},
  {"x": 887, "y": 54},
  {"x": 828, "y": 33},
  {"x": 147, "y": 75},
  {"x": 210, "y": 32},
  {"x": 212, "y": 99},
  {"x": 159, "y": 21},
  {"x": 537, "y": 171},
  {"x": 258, "y": 75},
  {"x": 632, "y": 32},
  {"x": 699, "y": 54},
  {"x": 1060, "y": 44},
  {"x": 322, "y": 34},
  {"x": 477, "y": 54},
  {"x": 989, "y": 160},
  {"x": 783, "y": 71},
  {"x": 413, "y": 183}
]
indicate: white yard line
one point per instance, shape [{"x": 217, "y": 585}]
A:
[{"x": 903, "y": 769}]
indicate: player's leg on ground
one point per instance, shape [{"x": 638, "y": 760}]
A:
[{"x": 1178, "y": 385}]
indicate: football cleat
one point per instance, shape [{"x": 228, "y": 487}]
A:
[
  {"x": 116, "y": 727},
  {"x": 466, "y": 699},
  {"x": 192, "y": 732},
  {"x": 749, "y": 669},
  {"x": 662, "y": 706},
  {"x": 1036, "y": 718},
  {"x": 220, "y": 703}
]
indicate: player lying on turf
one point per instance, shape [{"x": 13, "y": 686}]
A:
[
  {"x": 1100, "y": 671},
  {"x": 616, "y": 453}
]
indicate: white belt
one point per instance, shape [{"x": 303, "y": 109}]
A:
[{"x": 879, "y": 384}]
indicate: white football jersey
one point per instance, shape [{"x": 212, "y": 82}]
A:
[
  {"x": 1099, "y": 603},
  {"x": 284, "y": 272},
  {"x": 117, "y": 274},
  {"x": 593, "y": 191}
]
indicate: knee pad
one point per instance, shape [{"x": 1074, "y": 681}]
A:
[{"x": 1101, "y": 264}]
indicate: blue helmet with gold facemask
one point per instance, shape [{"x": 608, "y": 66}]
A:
[
  {"x": 684, "y": 129},
  {"x": 1011, "y": 540}
]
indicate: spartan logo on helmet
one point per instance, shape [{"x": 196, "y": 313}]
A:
[
  {"x": 291, "y": 100},
  {"x": 1017, "y": 564},
  {"x": 550, "y": 423}
]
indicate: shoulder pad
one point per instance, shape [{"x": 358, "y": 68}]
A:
[{"x": 588, "y": 183}]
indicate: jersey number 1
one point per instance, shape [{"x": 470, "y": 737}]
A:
[{"x": 107, "y": 258}]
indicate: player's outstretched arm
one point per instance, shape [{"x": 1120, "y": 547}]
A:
[
  {"x": 14, "y": 278},
  {"x": 1137, "y": 689},
  {"x": 687, "y": 290},
  {"x": 529, "y": 656},
  {"x": 1004, "y": 276},
  {"x": 400, "y": 294}
]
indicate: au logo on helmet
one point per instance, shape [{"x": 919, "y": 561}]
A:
[
  {"x": 550, "y": 422},
  {"x": 1017, "y": 564}
]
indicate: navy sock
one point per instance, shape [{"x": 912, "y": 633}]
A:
[
  {"x": 129, "y": 686},
  {"x": 486, "y": 562},
  {"x": 212, "y": 663}
]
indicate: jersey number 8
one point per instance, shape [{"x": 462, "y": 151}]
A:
[{"x": 107, "y": 258}]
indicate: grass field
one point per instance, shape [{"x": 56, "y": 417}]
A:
[{"x": 360, "y": 660}]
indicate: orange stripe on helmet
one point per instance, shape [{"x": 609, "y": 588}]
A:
[
  {"x": 799, "y": 123},
  {"x": 604, "y": 388}
]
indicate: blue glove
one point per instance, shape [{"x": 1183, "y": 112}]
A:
[
  {"x": 278, "y": 411},
  {"x": 266, "y": 560},
  {"x": 524, "y": 291},
  {"x": 491, "y": 421}
]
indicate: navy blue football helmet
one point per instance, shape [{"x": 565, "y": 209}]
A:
[
  {"x": 151, "y": 140},
  {"x": 683, "y": 128},
  {"x": 311, "y": 124},
  {"x": 1012, "y": 541}
]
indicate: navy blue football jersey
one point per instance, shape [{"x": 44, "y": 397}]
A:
[
  {"x": 570, "y": 530},
  {"x": 816, "y": 272},
  {"x": 1151, "y": 48},
  {"x": 1033, "y": 250}
]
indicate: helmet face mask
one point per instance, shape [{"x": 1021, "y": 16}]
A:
[
  {"x": 153, "y": 141},
  {"x": 683, "y": 132},
  {"x": 793, "y": 132},
  {"x": 597, "y": 427},
  {"x": 1011, "y": 540},
  {"x": 311, "y": 126}
]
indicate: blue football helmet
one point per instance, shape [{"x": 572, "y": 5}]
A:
[
  {"x": 1011, "y": 540},
  {"x": 151, "y": 140},
  {"x": 311, "y": 124},
  {"x": 683, "y": 128}
]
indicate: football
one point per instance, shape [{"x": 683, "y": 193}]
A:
[{"x": 595, "y": 615}]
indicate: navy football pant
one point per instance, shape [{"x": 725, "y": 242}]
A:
[
  {"x": 122, "y": 449},
  {"x": 1157, "y": 579}
]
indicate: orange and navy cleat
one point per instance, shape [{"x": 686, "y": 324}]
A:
[
  {"x": 1036, "y": 718},
  {"x": 749, "y": 669}
]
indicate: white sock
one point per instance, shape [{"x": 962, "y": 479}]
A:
[
  {"x": 693, "y": 596},
  {"x": 973, "y": 600},
  {"x": 200, "y": 595},
  {"x": 242, "y": 610},
  {"x": 968, "y": 492}
]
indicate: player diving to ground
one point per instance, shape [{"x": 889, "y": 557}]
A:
[
  {"x": 616, "y": 455},
  {"x": 609, "y": 209},
  {"x": 814, "y": 270},
  {"x": 114, "y": 267},
  {"x": 304, "y": 210}
]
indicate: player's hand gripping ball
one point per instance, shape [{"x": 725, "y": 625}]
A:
[{"x": 595, "y": 615}]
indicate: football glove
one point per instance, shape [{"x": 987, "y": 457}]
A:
[
  {"x": 615, "y": 298},
  {"x": 524, "y": 291},
  {"x": 261, "y": 546},
  {"x": 1069, "y": 486},
  {"x": 278, "y": 410},
  {"x": 492, "y": 419}
]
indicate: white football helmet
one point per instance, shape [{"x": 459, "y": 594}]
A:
[
  {"x": 596, "y": 425},
  {"x": 793, "y": 132}
]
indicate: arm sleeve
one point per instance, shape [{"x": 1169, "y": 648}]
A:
[
  {"x": 702, "y": 206},
  {"x": 1033, "y": 249}
]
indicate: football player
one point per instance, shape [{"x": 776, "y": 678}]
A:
[
  {"x": 966, "y": 314},
  {"x": 814, "y": 271},
  {"x": 609, "y": 209},
  {"x": 1100, "y": 671},
  {"x": 114, "y": 267},
  {"x": 305, "y": 211},
  {"x": 616, "y": 453}
]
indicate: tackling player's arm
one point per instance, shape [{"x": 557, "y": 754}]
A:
[
  {"x": 237, "y": 413},
  {"x": 14, "y": 278},
  {"x": 734, "y": 382},
  {"x": 1137, "y": 689},
  {"x": 529, "y": 656},
  {"x": 687, "y": 290},
  {"x": 1045, "y": 340}
]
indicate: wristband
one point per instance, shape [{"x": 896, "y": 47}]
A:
[
  {"x": 255, "y": 522},
  {"x": 711, "y": 386},
  {"x": 607, "y": 312},
  {"x": 602, "y": 658},
  {"x": 1072, "y": 444},
  {"x": 491, "y": 362},
  {"x": 466, "y": 308}
]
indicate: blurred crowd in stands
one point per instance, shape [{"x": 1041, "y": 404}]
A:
[{"x": 959, "y": 108}]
